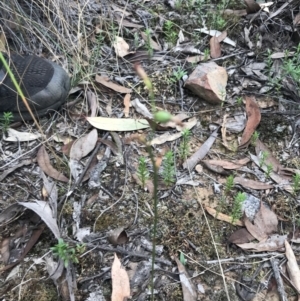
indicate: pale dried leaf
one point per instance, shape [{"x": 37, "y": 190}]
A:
[
  {"x": 15, "y": 136},
  {"x": 92, "y": 100},
  {"x": 141, "y": 108},
  {"x": 164, "y": 138},
  {"x": 43, "y": 210},
  {"x": 126, "y": 104},
  {"x": 191, "y": 162},
  {"x": 118, "y": 124},
  {"x": 216, "y": 33},
  {"x": 274, "y": 243},
  {"x": 292, "y": 266},
  {"x": 188, "y": 287},
  {"x": 120, "y": 281},
  {"x": 84, "y": 145},
  {"x": 121, "y": 47}
]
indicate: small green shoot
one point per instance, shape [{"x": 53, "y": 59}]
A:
[
  {"x": 177, "y": 75},
  {"x": 66, "y": 253},
  {"x": 262, "y": 159},
  {"x": 229, "y": 184},
  {"x": 148, "y": 42},
  {"x": 168, "y": 168},
  {"x": 182, "y": 258},
  {"x": 142, "y": 171},
  {"x": 236, "y": 213},
  {"x": 5, "y": 121},
  {"x": 254, "y": 138},
  {"x": 206, "y": 54},
  {"x": 184, "y": 147},
  {"x": 269, "y": 169},
  {"x": 296, "y": 183},
  {"x": 170, "y": 32},
  {"x": 239, "y": 101}
]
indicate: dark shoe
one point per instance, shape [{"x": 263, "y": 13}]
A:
[{"x": 44, "y": 84}]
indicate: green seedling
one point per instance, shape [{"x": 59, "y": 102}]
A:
[
  {"x": 263, "y": 157},
  {"x": 142, "y": 171},
  {"x": 236, "y": 213},
  {"x": 182, "y": 258},
  {"x": 148, "y": 42},
  {"x": 178, "y": 4},
  {"x": 239, "y": 101},
  {"x": 254, "y": 138},
  {"x": 269, "y": 169},
  {"x": 184, "y": 147},
  {"x": 229, "y": 184},
  {"x": 168, "y": 168},
  {"x": 206, "y": 54},
  {"x": 66, "y": 253},
  {"x": 170, "y": 32},
  {"x": 5, "y": 121},
  {"x": 296, "y": 183},
  {"x": 177, "y": 75}
]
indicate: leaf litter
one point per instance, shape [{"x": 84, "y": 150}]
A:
[{"x": 269, "y": 181}]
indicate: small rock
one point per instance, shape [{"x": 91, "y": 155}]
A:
[{"x": 209, "y": 82}]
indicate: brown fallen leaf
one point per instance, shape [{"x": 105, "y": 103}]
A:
[
  {"x": 252, "y": 184},
  {"x": 282, "y": 180},
  {"x": 223, "y": 217},
  {"x": 222, "y": 36},
  {"x": 84, "y": 145},
  {"x": 151, "y": 42},
  {"x": 227, "y": 164},
  {"x": 45, "y": 164},
  {"x": 254, "y": 116},
  {"x": 120, "y": 281},
  {"x": 92, "y": 100},
  {"x": 292, "y": 266},
  {"x": 269, "y": 159},
  {"x": 252, "y": 6},
  {"x": 215, "y": 48},
  {"x": 191, "y": 162},
  {"x": 273, "y": 243},
  {"x": 264, "y": 224},
  {"x": 188, "y": 288},
  {"x": 240, "y": 236},
  {"x": 109, "y": 84},
  {"x": 127, "y": 104}
]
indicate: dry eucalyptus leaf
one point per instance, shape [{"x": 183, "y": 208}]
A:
[
  {"x": 118, "y": 124},
  {"x": 120, "y": 281},
  {"x": 45, "y": 164},
  {"x": 43, "y": 210},
  {"x": 121, "y": 47},
  {"x": 84, "y": 145},
  {"x": 109, "y": 84}
]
